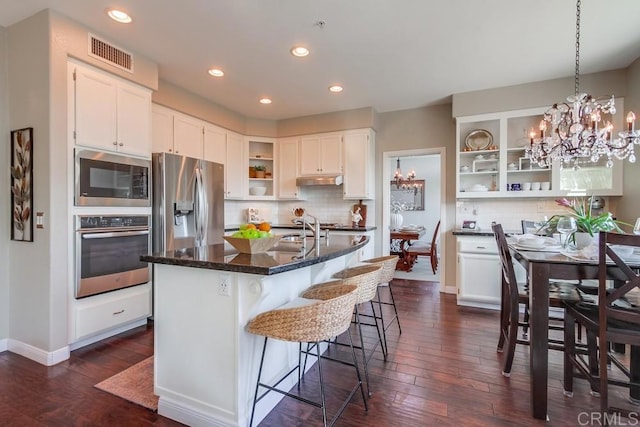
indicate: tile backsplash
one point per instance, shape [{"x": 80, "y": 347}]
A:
[
  {"x": 324, "y": 202},
  {"x": 508, "y": 212}
]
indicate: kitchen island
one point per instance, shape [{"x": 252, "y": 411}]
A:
[{"x": 205, "y": 362}]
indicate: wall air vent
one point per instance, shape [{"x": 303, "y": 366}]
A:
[{"x": 110, "y": 54}]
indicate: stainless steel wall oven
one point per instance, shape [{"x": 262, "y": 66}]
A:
[
  {"x": 104, "y": 179},
  {"x": 108, "y": 250}
]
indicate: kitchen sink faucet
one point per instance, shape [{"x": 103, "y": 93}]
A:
[{"x": 315, "y": 227}]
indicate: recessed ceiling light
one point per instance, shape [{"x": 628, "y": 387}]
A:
[
  {"x": 335, "y": 88},
  {"x": 119, "y": 16},
  {"x": 216, "y": 72},
  {"x": 299, "y": 51},
  {"x": 265, "y": 101}
]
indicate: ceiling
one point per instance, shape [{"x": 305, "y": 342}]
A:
[{"x": 389, "y": 55}]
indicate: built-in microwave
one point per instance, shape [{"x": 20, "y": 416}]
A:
[{"x": 105, "y": 179}]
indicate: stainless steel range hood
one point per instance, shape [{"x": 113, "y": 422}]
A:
[{"x": 306, "y": 181}]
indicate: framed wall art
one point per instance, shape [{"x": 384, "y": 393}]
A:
[{"x": 22, "y": 185}]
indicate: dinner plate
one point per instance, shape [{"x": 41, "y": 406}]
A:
[{"x": 479, "y": 139}]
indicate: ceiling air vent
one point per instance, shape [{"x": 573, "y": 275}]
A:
[{"x": 110, "y": 54}]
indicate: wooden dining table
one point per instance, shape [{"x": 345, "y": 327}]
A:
[
  {"x": 405, "y": 236},
  {"x": 541, "y": 266}
]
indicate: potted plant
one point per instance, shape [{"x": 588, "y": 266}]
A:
[
  {"x": 260, "y": 170},
  {"x": 588, "y": 224}
]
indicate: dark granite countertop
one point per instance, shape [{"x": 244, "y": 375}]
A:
[
  {"x": 336, "y": 227},
  {"x": 283, "y": 257}
]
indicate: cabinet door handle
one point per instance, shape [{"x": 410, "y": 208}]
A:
[
  {"x": 118, "y": 312},
  {"x": 121, "y": 144},
  {"x": 481, "y": 247},
  {"x": 115, "y": 142}
]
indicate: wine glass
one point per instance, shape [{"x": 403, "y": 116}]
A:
[
  {"x": 636, "y": 227},
  {"x": 566, "y": 226}
]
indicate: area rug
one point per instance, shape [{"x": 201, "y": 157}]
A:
[{"x": 134, "y": 384}]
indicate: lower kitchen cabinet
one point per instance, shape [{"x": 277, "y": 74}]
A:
[
  {"x": 109, "y": 311},
  {"x": 479, "y": 272}
]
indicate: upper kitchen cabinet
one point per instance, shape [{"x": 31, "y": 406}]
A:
[
  {"x": 321, "y": 154},
  {"x": 235, "y": 167},
  {"x": 177, "y": 133},
  {"x": 491, "y": 161},
  {"x": 288, "y": 165},
  {"x": 108, "y": 112},
  {"x": 188, "y": 136},
  {"x": 261, "y": 167},
  {"x": 227, "y": 148},
  {"x": 359, "y": 161}
]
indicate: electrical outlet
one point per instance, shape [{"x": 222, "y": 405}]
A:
[{"x": 224, "y": 286}]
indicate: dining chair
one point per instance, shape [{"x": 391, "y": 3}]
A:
[
  {"x": 614, "y": 318},
  {"x": 420, "y": 248},
  {"x": 515, "y": 295}
]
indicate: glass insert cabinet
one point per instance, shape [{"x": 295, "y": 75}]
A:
[{"x": 491, "y": 161}]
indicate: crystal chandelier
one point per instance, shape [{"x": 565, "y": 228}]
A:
[
  {"x": 409, "y": 183},
  {"x": 397, "y": 176},
  {"x": 573, "y": 132}
]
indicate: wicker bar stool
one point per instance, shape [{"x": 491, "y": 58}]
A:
[
  {"x": 324, "y": 314},
  {"x": 388, "y": 264},
  {"x": 365, "y": 277}
]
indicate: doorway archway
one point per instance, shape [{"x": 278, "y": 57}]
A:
[{"x": 387, "y": 160}]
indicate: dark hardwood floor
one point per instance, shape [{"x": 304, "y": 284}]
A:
[{"x": 442, "y": 370}]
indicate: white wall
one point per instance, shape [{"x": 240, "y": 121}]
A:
[
  {"x": 4, "y": 189},
  {"x": 29, "y": 107}
]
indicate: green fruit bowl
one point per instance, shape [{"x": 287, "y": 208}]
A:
[{"x": 252, "y": 246}]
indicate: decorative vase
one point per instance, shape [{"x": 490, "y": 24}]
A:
[
  {"x": 396, "y": 221},
  {"x": 582, "y": 240},
  {"x": 252, "y": 172},
  {"x": 259, "y": 174}
]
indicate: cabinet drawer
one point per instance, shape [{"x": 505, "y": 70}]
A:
[
  {"x": 111, "y": 311},
  {"x": 479, "y": 246}
]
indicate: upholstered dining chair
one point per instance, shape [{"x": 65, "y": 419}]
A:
[
  {"x": 420, "y": 248},
  {"x": 514, "y": 295},
  {"x": 615, "y": 318}
]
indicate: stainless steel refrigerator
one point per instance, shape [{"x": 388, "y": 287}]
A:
[{"x": 188, "y": 202}]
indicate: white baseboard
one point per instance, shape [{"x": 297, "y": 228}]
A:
[
  {"x": 188, "y": 415},
  {"x": 451, "y": 290},
  {"x": 47, "y": 358},
  {"x": 111, "y": 332},
  {"x": 4, "y": 345}
]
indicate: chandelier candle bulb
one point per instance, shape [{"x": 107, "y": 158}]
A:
[{"x": 631, "y": 118}]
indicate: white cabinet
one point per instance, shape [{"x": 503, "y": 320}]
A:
[
  {"x": 215, "y": 144},
  {"x": 235, "y": 167},
  {"x": 161, "y": 129},
  {"x": 110, "y": 113},
  {"x": 226, "y": 148},
  {"x": 288, "y": 149},
  {"x": 177, "y": 133},
  {"x": 359, "y": 161},
  {"x": 321, "y": 154},
  {"x": 100, "y": 313},
  {"x": 491, "y": 159},
  {"x": 188, "y": 136},
  {"x": 479, "y": 272}
]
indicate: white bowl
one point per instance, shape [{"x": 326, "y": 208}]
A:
[{"x": 257, "y": 191}]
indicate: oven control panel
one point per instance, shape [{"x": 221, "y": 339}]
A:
[{"x": 113, "y": 221}]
